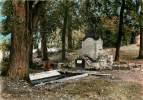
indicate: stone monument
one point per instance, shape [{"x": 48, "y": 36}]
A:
[
  {"x": 92, "y": 47},
  {"x": 93, "y": 53}
]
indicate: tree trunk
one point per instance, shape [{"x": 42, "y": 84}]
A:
[
  {"x": 141, "y": 33},
  {"x": 141, "y": 41},
  {"x": 30, "y": 27},
  {"x": 31, "y": 53},
  {"x": 120, "y": 32},
  {"x": 64, "y": 33},
  {"x": 33, "y": 21},
  {"x": 69, "y": 32},
  {"x": 20, "y": 52},
  {"x": 133, "y": 38},
  {"x": 44, "y": 46}
]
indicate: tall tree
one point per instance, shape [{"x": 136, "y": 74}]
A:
[
  {"x": 43, "y": 30},
  {"x": 69, "y": 31},
  {"x": 30, "y": 27},
  {"x": 120, "y": 31},
  {"x": 68, "y": 9},
  {"x": 141, "y": 29},
  {"x": 43, "y": 39},
  {"x": 33, "y": 10},
  {"x": 20, "y": 41},
  {"x": 34, "y": 18},
  {"x": 64, "y": 32}
]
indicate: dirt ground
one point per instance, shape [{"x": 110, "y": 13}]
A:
[
  {"x": 122, "y": 85},
  {"x": 130, "y": 76},
  {"x": 88, "y": 88}
]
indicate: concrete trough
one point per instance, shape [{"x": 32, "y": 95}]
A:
[
  {"x": 45, "y": 76},
  {"x": 54, "y": 76}
]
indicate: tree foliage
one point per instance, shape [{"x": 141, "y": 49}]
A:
[{"x": 7, "y": 11}]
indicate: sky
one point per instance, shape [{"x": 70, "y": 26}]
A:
[{"x": 2, "y": 38}]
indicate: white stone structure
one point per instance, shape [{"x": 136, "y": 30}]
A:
[
  {"x": 1, "y": 55},
  {"x": 92, "y": 48},
  {"x": 138, "y": 40}
]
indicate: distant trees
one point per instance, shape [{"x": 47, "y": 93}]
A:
[
  {"x": 7, "y": 23},
  {"x": 35, "y": 12},
  {"x": 68, "y": 11}
]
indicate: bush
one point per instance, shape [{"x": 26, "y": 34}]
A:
[
  {"x": 4, "y": 66},
  {"x": 109, "y": 39}
]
